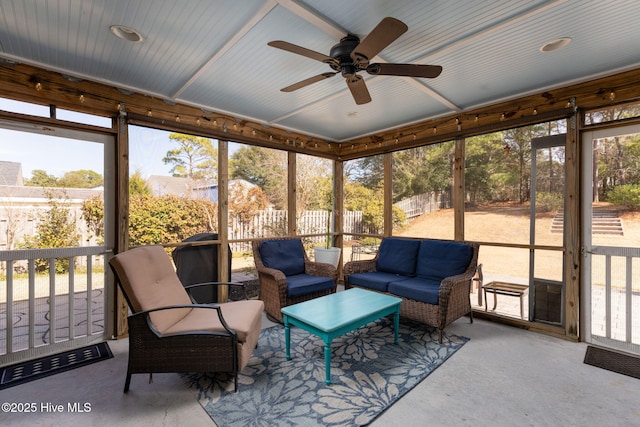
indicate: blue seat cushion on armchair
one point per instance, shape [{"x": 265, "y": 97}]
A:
[
  {"x": 285, "y": 255},
  {"x": 303, "y": 284},
  {"x": 398, "y": 256},
  {"x": 440, "y": 259},
  {"x": 418, "y": 289}
]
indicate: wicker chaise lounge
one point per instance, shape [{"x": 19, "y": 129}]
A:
[
  {"x": 287, "y": 276},
  {"x": 169, "y": 333},
  {"x": 433, "y": 277}
]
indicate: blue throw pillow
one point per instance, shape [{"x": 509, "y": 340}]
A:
[
  {"x": 398, "y": 256},
  {"x": 440, "y": 259},
  {"x": 285, "y": 255}
]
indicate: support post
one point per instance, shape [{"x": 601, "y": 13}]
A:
[
  {"x": 458, "y": 189},
  {"x": 223, "y": 218},
  {"x": 388, "y": 194},
  {"x": 122, "y": 215},
  {"x": 292, "y": 206},
  {"x": 572, "y": 223}
]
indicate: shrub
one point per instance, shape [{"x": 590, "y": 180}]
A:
[
  {"x": 626, "y": 195},
  {"x": 56, "y": 228},
  {"x": 548, "y": 202},
  {"x": 155, "y": 220}
]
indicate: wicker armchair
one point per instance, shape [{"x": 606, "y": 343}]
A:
[
  {"x": 169, "y": 333},
  {"x": 287, "y": 276}
]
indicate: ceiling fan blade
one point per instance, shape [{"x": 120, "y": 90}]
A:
[
  {"x": 358, "y": 89},
  {"x": 409, "y": 70},
  {"x": 307, "y": 82},
  {"x": 290, "y": 47},
  {"x": 385, "y": 33}
]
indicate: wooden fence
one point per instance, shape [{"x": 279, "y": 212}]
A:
[
  {"x": 424, "y": 203},
  {"x": 274, "y": 222}
]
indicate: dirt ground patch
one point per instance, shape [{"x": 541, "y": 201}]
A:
[
  {"x": 510, "y": 224},
  {"x": 500, "y": 225}
]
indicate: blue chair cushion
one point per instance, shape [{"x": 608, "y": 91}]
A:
[
  {"x": 303, "y": 284},
  {"x": 375, "y": 280},
  {"x": 285, "y": 255},
  {"x": 398, "y": 256},
  {"x": 416, "y": 288},
  {"x": 440, "y": 259}
]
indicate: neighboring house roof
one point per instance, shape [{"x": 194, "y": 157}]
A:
[
  {"x": 187, "y": 187},
  {"x": 15, "y": 191},
  {"x": 163, "y": 185},
  {"x": 11, "y": 173},
  {"x": 12, "y": 185},
  {"x": 210, "y": 191}
]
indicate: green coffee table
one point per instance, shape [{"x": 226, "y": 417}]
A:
[{"x": 334, "y": 315}]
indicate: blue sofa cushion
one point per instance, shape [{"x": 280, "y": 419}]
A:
[
  {"x": 439, "y": 259},
  {"x": 284, "y": 255},
  {"x": 416, "y": 288},
  {"x": 398, "y": 256},
  {"x": 303, "y": 284},
  {"x": 375, "y": 280}
]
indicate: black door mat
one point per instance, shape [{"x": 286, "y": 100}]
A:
[
  {"x": 31, "y": 370},
  {"x": 614, "y": 361}
]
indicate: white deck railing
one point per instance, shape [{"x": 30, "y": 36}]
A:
[
  {"x": 615, "y": 297},
  {"x": 43, "y": 313}
]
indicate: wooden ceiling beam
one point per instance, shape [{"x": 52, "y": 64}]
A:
[
  {"x": 544, "y": 106},
  {"x": 31, "y": 84},
  {"x": 35, "y": 85}
]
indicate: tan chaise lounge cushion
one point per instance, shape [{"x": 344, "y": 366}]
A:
[
  {"x": 145, "y": 278},
  {"x": 239, "y": 316}
]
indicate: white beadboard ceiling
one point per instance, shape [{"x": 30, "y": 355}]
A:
[{"x": 213, "y": 54}]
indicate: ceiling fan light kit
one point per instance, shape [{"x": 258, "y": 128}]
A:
[{"x": 352, "y": 55}]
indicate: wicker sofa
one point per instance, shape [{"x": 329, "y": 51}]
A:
[{"x": 433, "y": 277}]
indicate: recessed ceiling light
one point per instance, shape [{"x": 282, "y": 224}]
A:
[
  {"x": 556, "y": 44},
  {"x": 126, "y": 33}
]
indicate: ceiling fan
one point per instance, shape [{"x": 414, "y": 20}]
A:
[{"x": 352, "y": 55}]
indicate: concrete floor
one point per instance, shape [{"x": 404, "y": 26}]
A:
[{"x": 503, "y": 376}]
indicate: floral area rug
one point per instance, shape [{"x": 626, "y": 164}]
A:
[{"x": 368, "y": 373}]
